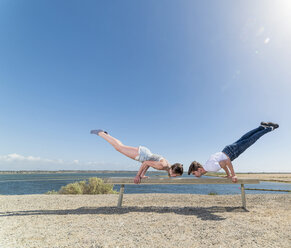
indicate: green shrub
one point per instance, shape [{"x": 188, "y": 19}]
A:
[
  {"x": 212, "y": 193},
  {"x": 92, "y": 187},
  {"x": 73, "y": 188},
  {"x": 97, "y": 186}
]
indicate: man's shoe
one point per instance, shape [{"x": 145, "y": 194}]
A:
[
  {"x": 269, "y": 124},
  {"x": 97, "y": 131}
]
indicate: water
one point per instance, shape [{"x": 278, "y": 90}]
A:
[{"x": 21, "y": 184}]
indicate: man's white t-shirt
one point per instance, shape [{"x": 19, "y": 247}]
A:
[{"x": 212, "y": 164}]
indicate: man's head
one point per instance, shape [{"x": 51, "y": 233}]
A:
[
  {"x": 176, "y": 170},
  {"x": 196, "y": 169}
]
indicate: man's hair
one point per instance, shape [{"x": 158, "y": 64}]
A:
[
  {"x": 177, "y": 168},
  {"x": 194, "y": 166}
]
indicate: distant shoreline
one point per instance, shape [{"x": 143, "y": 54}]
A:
[
  {"x": 122, "y": 171},
  {"x": 75, "y": 171},
  {"x": 279, "y": 177},
  {"x": 63, "y": 171}
]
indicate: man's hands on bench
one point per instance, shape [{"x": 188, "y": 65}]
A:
[
  {"x": 233, "y": 178},
  {"x": 227, "y": 166}
]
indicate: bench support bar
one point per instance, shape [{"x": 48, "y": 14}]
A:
[
  {"x": 119, "y": 204},
  {"x": 243, "y": 196}
]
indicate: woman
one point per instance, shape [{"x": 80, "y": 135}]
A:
[
  {"x": 229, "y": 153},
  {"x": 143, "y": 155}
]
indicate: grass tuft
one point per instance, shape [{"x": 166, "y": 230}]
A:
[{"x": 53, "y": 192}]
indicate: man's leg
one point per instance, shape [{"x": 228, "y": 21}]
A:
[
  {"x": 246, "y": 143},
  {"x": 238, "y": 147},
  {"x": 250, "y": 133}
]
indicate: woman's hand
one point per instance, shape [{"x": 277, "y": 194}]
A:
[
  {"x": 234, "y": 179},
  {"x": 227, "y": 176},
  {"x": 137, "y": 180},
  {"x": 143, "y": 177}
]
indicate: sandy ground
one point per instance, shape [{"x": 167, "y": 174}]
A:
[{"x": 145, "y": 220}]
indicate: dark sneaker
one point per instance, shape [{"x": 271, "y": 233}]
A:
[
  {"x": 97, "y": 131},
  {"x": 269, "y": 124}
]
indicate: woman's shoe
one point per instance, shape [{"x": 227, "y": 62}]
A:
[{"x": 97, "y": 131}]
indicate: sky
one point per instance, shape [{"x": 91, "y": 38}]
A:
[{"x": 183, "y": 78}]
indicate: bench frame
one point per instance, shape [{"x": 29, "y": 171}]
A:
[{"x": 122, "y": 181}]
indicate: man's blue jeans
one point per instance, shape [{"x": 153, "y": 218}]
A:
[{"x": 238, "y": 147}]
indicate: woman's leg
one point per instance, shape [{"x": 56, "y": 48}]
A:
[{"x": 131, "y": 152}]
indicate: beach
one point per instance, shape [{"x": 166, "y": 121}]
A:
[{"x": 145, "y": 220}]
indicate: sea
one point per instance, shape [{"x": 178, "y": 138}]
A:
[{"x": 41, "y": 183}]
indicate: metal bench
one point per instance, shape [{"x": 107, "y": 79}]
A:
[{"x": 129, "y": 180}]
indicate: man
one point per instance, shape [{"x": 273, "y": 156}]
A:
[{"x": 229, "y": 153}]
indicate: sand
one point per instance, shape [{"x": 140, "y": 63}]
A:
[{"x": 145, "y": 220}]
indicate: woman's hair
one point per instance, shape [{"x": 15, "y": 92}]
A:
[
  {"x": 194, "y": 166},
  {"x": 177, "y": 168}
]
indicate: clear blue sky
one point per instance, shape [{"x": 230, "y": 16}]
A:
[{"x": 184, "y": 78}]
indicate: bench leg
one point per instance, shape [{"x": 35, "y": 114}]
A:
[
  {"x": 243, "y": 196},
  {"x": 120, "y": 196}
]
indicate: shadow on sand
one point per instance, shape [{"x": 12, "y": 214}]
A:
[{"x": 203, "y": 213}]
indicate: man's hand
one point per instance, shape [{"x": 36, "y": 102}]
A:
[
  {"x": 137, "y": 180},
  {"x": 234, "y": 179},
  {"x": 227, "y": 176}
]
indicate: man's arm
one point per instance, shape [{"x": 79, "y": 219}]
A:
[
  {"x": 225, "y": 168},
  {"x": 230, "y": 167},
  {"x": 226, "y": 171}
]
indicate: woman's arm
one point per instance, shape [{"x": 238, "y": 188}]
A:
[
  {"x": 139, "y": 173},
  {"x": 144, "y": 167},
  {"x": 144, "y": 172},
  {"x": 155, "y": 164}
]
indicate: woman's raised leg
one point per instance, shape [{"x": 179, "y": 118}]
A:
[{"x": 129, "y": 151}]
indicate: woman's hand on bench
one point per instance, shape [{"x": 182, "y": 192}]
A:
[{"x": 137, "y": 180}]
